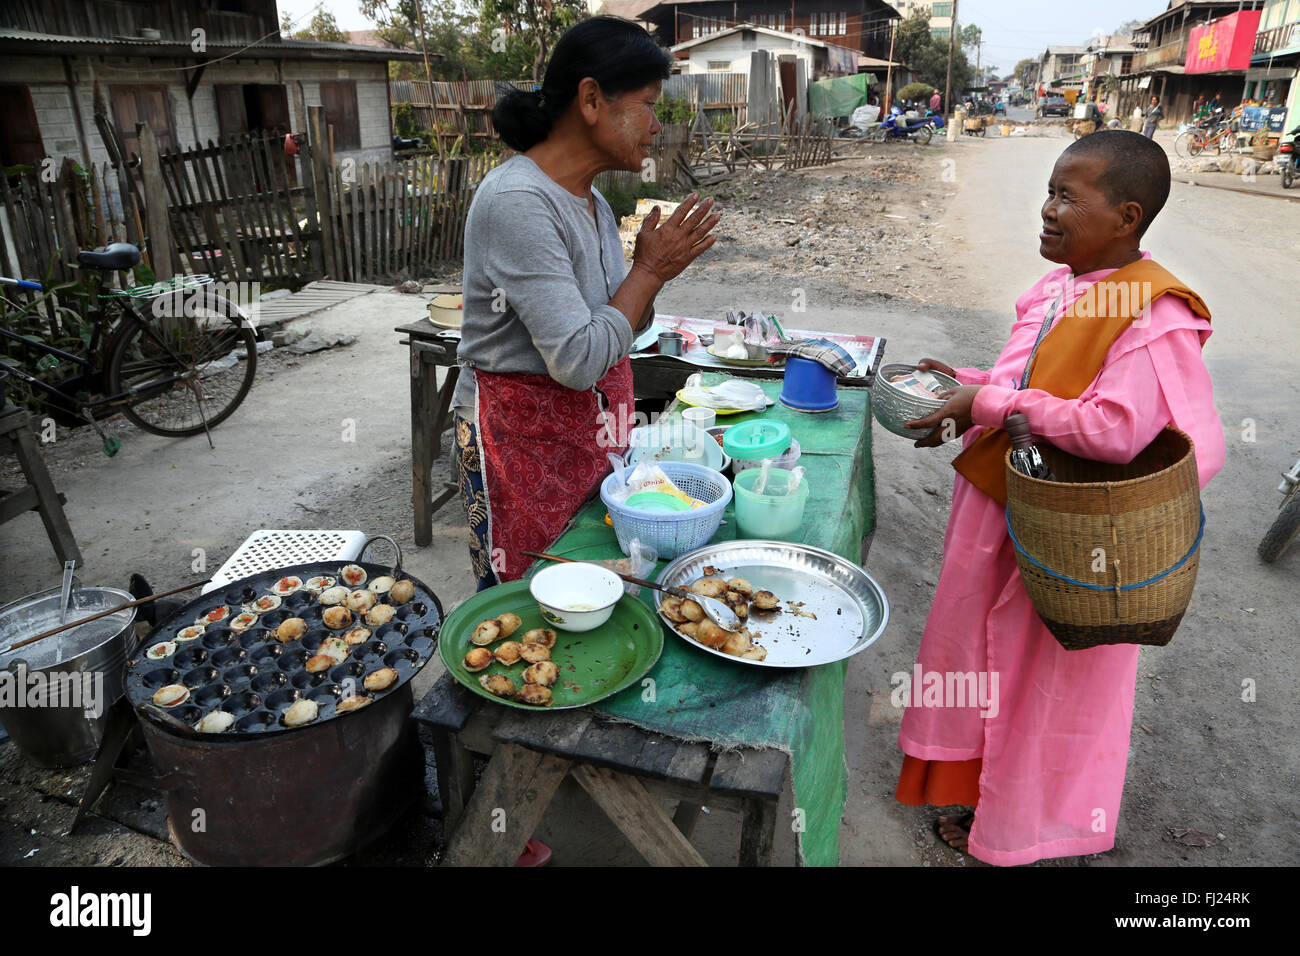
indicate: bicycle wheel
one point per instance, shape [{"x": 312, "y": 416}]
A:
[
  {"x": 1284, "y": 529},
  {"x": 1183, "y": 144},
  {"x": 175, "y": 363}
]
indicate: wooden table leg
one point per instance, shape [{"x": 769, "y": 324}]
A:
[
  {"x": 50, "y": 508},
  {"x": 455, "y": 768},
  {"x": 638, "y": 816},
  {"x": 685, "y": 817},
  {"x": 506, "y": 807},
  {"x": 757, "y": 830},
  {"x": 424, "y": 441}
]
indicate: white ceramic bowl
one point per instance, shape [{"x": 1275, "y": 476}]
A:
[{"x": 576, "y": 597}]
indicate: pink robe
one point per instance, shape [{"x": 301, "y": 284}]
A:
[{"x": 1055, "y": 749}]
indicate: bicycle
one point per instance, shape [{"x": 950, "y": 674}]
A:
[
  {"x": 1191, "y": 143},
  {"x": 1287, "y": 524},
  {"x": 164, "y": 367}
]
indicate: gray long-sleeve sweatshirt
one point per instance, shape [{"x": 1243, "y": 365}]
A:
[{"x": 538, "y": 280}]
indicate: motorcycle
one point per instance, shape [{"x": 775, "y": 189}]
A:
[
  {"x": 1287, "y": 524},
  {"x": 1288, "y": 159},
  {"x": 901, "y": 126}
]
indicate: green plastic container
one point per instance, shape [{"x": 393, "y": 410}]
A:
[{"x": 770, "y": 516}]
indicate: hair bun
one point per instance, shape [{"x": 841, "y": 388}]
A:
[{"x": 521, "y": 118}]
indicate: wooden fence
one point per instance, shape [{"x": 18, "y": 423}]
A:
[
  {"x": 392, "y": 219},
  {"x": 244, "y": 210},
  {"x": 47, "y": 219},
  {"x": 453, "y": 109}
]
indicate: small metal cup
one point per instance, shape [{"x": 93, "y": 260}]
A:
[{"x": 672, "y": 343}]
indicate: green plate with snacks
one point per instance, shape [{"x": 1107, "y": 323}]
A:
[{"x": 593, "y": 664}]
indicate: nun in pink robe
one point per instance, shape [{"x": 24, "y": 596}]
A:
[{"x": 1055, "y": 744}]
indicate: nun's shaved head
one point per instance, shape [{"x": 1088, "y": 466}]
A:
[{"x": 1135, "y": 169}]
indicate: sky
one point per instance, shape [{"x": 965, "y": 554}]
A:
[{"x": 1013, "y": 29}]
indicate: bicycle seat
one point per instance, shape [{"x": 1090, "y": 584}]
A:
[{"x": 116, "y": 255}]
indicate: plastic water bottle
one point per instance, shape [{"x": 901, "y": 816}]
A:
[{"x": 1025, "y": 456}]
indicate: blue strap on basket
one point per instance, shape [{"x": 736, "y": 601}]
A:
[{"x": 1104, "y": 587}]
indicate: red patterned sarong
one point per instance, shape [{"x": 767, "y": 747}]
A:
[{"x": 544, "y": 452}]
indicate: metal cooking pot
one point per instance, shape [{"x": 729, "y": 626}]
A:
[
  {"x": 305, "y": 797},
  {"x": 55, "y": 694}
]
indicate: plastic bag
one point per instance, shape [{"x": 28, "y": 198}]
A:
[
  {"x": 640, "y": 561},
  {"x": 648, "y": 476},
  {"x": 732, "y": 393}
]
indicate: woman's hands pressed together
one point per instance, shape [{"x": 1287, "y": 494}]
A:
[{"x": 665, "y": 250}]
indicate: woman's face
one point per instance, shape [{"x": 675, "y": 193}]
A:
[
  {"x": 627, "y": 126},
  {"x": 1080, "y": 223}
]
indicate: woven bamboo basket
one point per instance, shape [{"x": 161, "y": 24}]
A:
[{"x": 1109, "y": 553}]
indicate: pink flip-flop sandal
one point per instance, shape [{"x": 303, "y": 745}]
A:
[{"x": 536, "y": 853}]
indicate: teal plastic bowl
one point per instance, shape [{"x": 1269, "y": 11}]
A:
[{"x": 769, "y": 516}]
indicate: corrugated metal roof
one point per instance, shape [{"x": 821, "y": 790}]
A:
[{"x": 268, "y": 48}]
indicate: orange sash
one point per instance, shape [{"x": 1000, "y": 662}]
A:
[{"x": 1071, "y": 355}]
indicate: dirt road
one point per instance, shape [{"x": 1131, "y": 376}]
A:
[{"x": 928, "y": 247}]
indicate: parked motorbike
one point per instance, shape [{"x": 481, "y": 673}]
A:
[
  {"x": 935, "y": 120},
  {"x": 1287, "y": 524},
  {"x": 901, "y": 126},
  {"x": 1288, "y": 158}
]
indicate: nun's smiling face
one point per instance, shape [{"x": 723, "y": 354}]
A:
[{"x": 1082, "y": 226}]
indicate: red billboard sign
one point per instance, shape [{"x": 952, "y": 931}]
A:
[{"x": 1224, "y": 44}]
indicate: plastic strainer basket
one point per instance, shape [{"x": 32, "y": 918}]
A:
[{"x": 672, "y": 533}]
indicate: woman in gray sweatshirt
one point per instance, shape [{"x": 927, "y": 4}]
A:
[{"x": 550, "y": 313}]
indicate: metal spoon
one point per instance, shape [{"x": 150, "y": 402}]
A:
[
  {"x": 66, "y": 594},
  {"x": 715, "y": 610}
]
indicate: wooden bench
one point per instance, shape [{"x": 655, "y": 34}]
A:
[
  {"x": 617, "y": 764},
  {"x": 39, "y": 494}
]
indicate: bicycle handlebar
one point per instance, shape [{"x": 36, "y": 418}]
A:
[{"x": 22, "y": 283}]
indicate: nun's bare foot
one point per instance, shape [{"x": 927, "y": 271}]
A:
[{"x": 955, "y": 831}]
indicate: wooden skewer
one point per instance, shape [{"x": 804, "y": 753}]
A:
[{"x": 113, "y": 610}]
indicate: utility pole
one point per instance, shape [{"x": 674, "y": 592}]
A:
[
  {"x": 952, "y": 39},
  {"x": 889, "y": 70}
]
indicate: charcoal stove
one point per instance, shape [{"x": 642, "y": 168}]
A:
[{"x": 261, "y": 792}]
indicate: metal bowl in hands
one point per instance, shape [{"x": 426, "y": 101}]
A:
[{"x": 892, "y": 406}]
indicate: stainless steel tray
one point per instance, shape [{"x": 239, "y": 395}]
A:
[{"x": 851, "y": 607}]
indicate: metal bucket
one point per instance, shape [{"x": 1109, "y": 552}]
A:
[
  {"x": 55, "y": 694},
  {"x": 304, "y": 797}
]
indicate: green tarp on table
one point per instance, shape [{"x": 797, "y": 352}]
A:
[
  {"x": 698, "y": 696},
  {"x": 840, "y": 95}
]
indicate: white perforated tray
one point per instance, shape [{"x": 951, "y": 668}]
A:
[{"x": 269, "y": 548}]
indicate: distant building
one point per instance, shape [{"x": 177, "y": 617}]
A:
[
  {"x": 861, "y": 25},
  {"x": 1106, "y": 59},
  {"x": 1059, "y": 68},
  {"x": 728, "y": 51},
  {"x": 1161, "y": 68},
  {"x": 141, "y": 57},
  {"x": 1274, "y": 74},
  {"x": 940, "y": 14}
]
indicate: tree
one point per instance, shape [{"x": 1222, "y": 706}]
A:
[
  {"x": 323, "y": 27},
  {"x": 970, "y": 37},
  {"x": 1024, "y": 70},
  {"x": 1126, "y": 28},
  {"x": 928, "y": 57},
  {"x": 477, "y": 39}
]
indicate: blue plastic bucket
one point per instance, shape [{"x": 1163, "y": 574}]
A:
[{"x": 809, "y": 386}]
